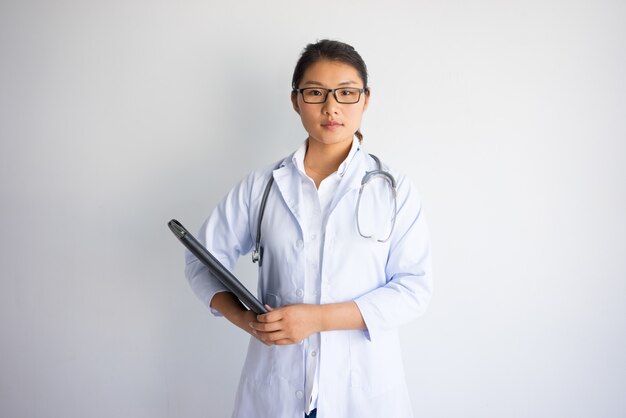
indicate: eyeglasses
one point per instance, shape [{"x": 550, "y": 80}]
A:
[{"x": 348, "y": 95}]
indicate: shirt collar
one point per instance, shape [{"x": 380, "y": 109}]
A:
[{"x": 298, "y": 157}]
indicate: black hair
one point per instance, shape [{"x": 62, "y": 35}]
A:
[{"x": 327, "y": 49}]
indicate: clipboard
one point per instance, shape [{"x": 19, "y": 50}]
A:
[{"x": 217, "y": 268}]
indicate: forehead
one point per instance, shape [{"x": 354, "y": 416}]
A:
[{"x": 331, "y": 73}]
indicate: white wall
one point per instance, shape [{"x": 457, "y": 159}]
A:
[{"x": 117, "y": 116}]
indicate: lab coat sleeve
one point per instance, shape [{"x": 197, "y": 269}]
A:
[
  {"x": 408, "y": 288},
  {"x": 226, "y": 234}
]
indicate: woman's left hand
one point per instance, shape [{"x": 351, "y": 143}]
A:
[{"x": 288, "y": 324}]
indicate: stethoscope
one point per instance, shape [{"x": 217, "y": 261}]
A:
[{"x": 257, "y": 253}]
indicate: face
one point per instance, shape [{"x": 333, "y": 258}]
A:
[{"x": 330, "y": 122}]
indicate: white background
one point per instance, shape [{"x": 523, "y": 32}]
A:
[{"x": 116, "y": 116}]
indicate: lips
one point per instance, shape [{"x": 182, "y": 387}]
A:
[{"x": 331, "y": 123}]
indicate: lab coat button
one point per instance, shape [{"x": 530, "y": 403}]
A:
[
  {"x": 314, "y": 353},
  {"x": 299, "y": 293},
  {"x": 299, "y": 394},
  {"x": 299, "y": 243}
]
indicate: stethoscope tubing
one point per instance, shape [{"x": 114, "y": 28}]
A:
[{"x": 257, "y": 253}]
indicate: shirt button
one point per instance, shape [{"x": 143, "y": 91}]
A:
[
  {"x": 299, "y": 243},
  {"x": 299, "y": 293},
  {"x": 299, "y": 394},
  {"x": 313, "y": 237},
  {"x": 314, "y": 353}
]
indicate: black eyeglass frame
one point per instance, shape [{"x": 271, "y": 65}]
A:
[{"x": 333, "y": 91}]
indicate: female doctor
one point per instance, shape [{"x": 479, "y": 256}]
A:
[{"x": 341, "y": 266}]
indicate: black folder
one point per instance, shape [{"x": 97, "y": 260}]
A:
[{"x": 217, "y": 268}]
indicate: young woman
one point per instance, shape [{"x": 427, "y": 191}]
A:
[{"x": 341, "y": 266}]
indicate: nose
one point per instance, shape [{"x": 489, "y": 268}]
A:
[{"x": 331, "y": 105}]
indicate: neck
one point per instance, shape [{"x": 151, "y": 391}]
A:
[{"x": 324, "y": 159}]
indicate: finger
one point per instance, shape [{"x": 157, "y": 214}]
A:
[
  {"x": 268, "y": 337},
  {"x": 269, "y": 308},
  {"x": 274, "y": 336},
  {"x": 266, "y": 326},
  {"x": 273, "y": 316}
]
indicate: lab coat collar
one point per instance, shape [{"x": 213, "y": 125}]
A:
[
  {"x": 298, "y": 157},
  {"x": 288, "y": 179},
  {"x": 354, "y": 171},
  {"x": 356, "y": 145}
]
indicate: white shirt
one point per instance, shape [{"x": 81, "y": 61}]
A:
[{"x": 315, "y": 209}]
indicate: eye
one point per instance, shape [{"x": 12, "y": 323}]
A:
[{"x": 312, "y": 92}]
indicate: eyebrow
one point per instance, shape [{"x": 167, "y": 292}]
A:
[{"x": 317, "y": 83}]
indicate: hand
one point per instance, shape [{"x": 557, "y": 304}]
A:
[
  {"x": 288, "y": 324},
  {"x": 228, "y": 305},
  {"x": 244, "y": 322}
]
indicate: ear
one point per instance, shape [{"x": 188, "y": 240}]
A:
[
  {"x": 367, "y": 94},
  {"x": 294, "y": 101}
]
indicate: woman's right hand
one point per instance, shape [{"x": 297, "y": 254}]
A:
[
  {"x": 245, "y": 323},
  {"x": 228, "y": 305}
]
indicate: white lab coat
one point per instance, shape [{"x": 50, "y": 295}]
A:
[{"x": 360, "y": 372}]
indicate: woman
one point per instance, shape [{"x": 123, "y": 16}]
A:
[{"x": 329, "y": 345}]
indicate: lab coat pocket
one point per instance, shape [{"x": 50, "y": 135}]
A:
[
  {"x": 376, "y": 366},
  {"x": 273, "y": 300}
]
